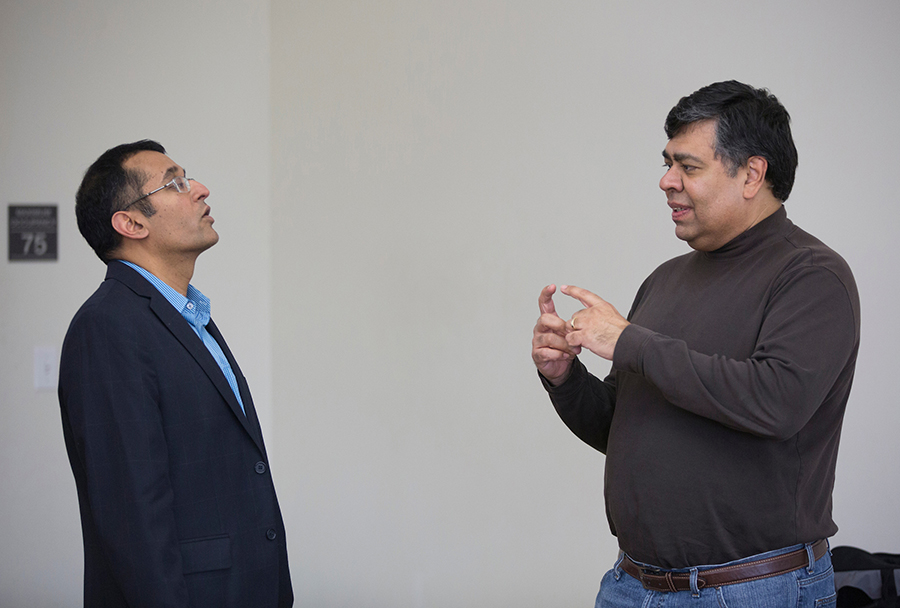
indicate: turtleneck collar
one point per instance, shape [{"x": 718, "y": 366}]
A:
[{"x": 756, "y": 236}]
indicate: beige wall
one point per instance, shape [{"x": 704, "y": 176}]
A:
[{"x": 394, "y": 182}]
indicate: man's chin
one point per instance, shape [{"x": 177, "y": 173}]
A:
[
  {"x": 213, "y": 239},
  {"x": 682, "y": 233}
]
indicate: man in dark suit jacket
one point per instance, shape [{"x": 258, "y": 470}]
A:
[{"x": 178, "y": 506}]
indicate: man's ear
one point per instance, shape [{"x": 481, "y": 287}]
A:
[
  {"x": 756, "y": 175},
  {"x": 129, "y": 225}
]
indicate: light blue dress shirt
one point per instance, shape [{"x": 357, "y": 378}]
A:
[{"x": 195, "y": 308}]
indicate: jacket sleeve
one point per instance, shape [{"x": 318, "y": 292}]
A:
[
  {"x": 117, "y": 446},
  {"x": 810, "y": 332}
]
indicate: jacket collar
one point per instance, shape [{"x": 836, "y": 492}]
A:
[{"x": 183, "y": 332}]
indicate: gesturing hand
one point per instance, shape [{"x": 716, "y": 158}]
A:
[
  {"x": 597, "y": 327},
  {"x": 551, "y": 353}
]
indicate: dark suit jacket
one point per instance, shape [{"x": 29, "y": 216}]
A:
[{"x": 177, "y": 502}]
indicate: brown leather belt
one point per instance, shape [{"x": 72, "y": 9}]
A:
[{"x": 661, "y": 580}]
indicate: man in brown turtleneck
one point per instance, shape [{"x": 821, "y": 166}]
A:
[{"x": 721, "y": 415}]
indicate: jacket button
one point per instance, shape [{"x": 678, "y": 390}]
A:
[
  {"x": 260, "y": 467},
  {"x": 271, "y": 534}
]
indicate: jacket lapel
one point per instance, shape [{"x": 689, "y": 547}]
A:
[
  {"x": 252, "y": 422},
  {"x": 185, "y": 334}
]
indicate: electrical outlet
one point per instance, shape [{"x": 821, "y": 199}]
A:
[{"x": 46, "y": 368}]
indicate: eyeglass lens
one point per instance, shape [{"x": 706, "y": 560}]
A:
[{"x": 182, "y": 184}]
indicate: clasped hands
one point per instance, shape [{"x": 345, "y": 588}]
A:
[{"x": 557, "y": 342}]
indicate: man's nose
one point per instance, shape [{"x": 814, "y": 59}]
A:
[
  {"x": 670, "y": 181},
  {"x": 198, "y": 191}
]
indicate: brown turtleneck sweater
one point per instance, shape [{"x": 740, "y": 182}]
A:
[{"x": 721, "y": 416}]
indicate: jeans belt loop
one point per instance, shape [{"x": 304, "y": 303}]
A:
[
  {"x": 617, "y": 569},
  {"x": 812, "y": 559}
]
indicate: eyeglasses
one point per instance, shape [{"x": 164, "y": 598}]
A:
[{"x": 181, "y": 184}]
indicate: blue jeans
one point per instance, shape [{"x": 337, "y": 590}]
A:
[{"x": 809, "y": 587}]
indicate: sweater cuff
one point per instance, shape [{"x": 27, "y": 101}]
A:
[
  {"x": 628, "y": 355},
  {"x": 571, "y": 384}
]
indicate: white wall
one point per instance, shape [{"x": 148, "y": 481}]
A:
[{"x": 394, "y": 182}]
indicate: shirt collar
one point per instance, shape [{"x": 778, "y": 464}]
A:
[{"x": 195, "y": 308}]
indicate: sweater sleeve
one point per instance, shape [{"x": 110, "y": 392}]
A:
[
  {"x": 808, "y": 335},
  {"x": 585, "y": 404}
]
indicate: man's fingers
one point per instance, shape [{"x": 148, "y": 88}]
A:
[
  {"x": 582, "y": 295},
  {"x": 545, "y": 301},
  {"x": 551, "y": 347},
  {"x": 574, "y": 339},
  {"x": 551, "y": 322}
]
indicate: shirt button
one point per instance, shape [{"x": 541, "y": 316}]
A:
[
  {"x": 190, "y": 306},
  {"x": 260, "y": 467},
  {"x": 271, "y": 534}
]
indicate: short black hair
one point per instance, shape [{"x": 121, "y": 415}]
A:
[
  {"x": 107, "y": 187},
  {"x": 749, "y": 122}
]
